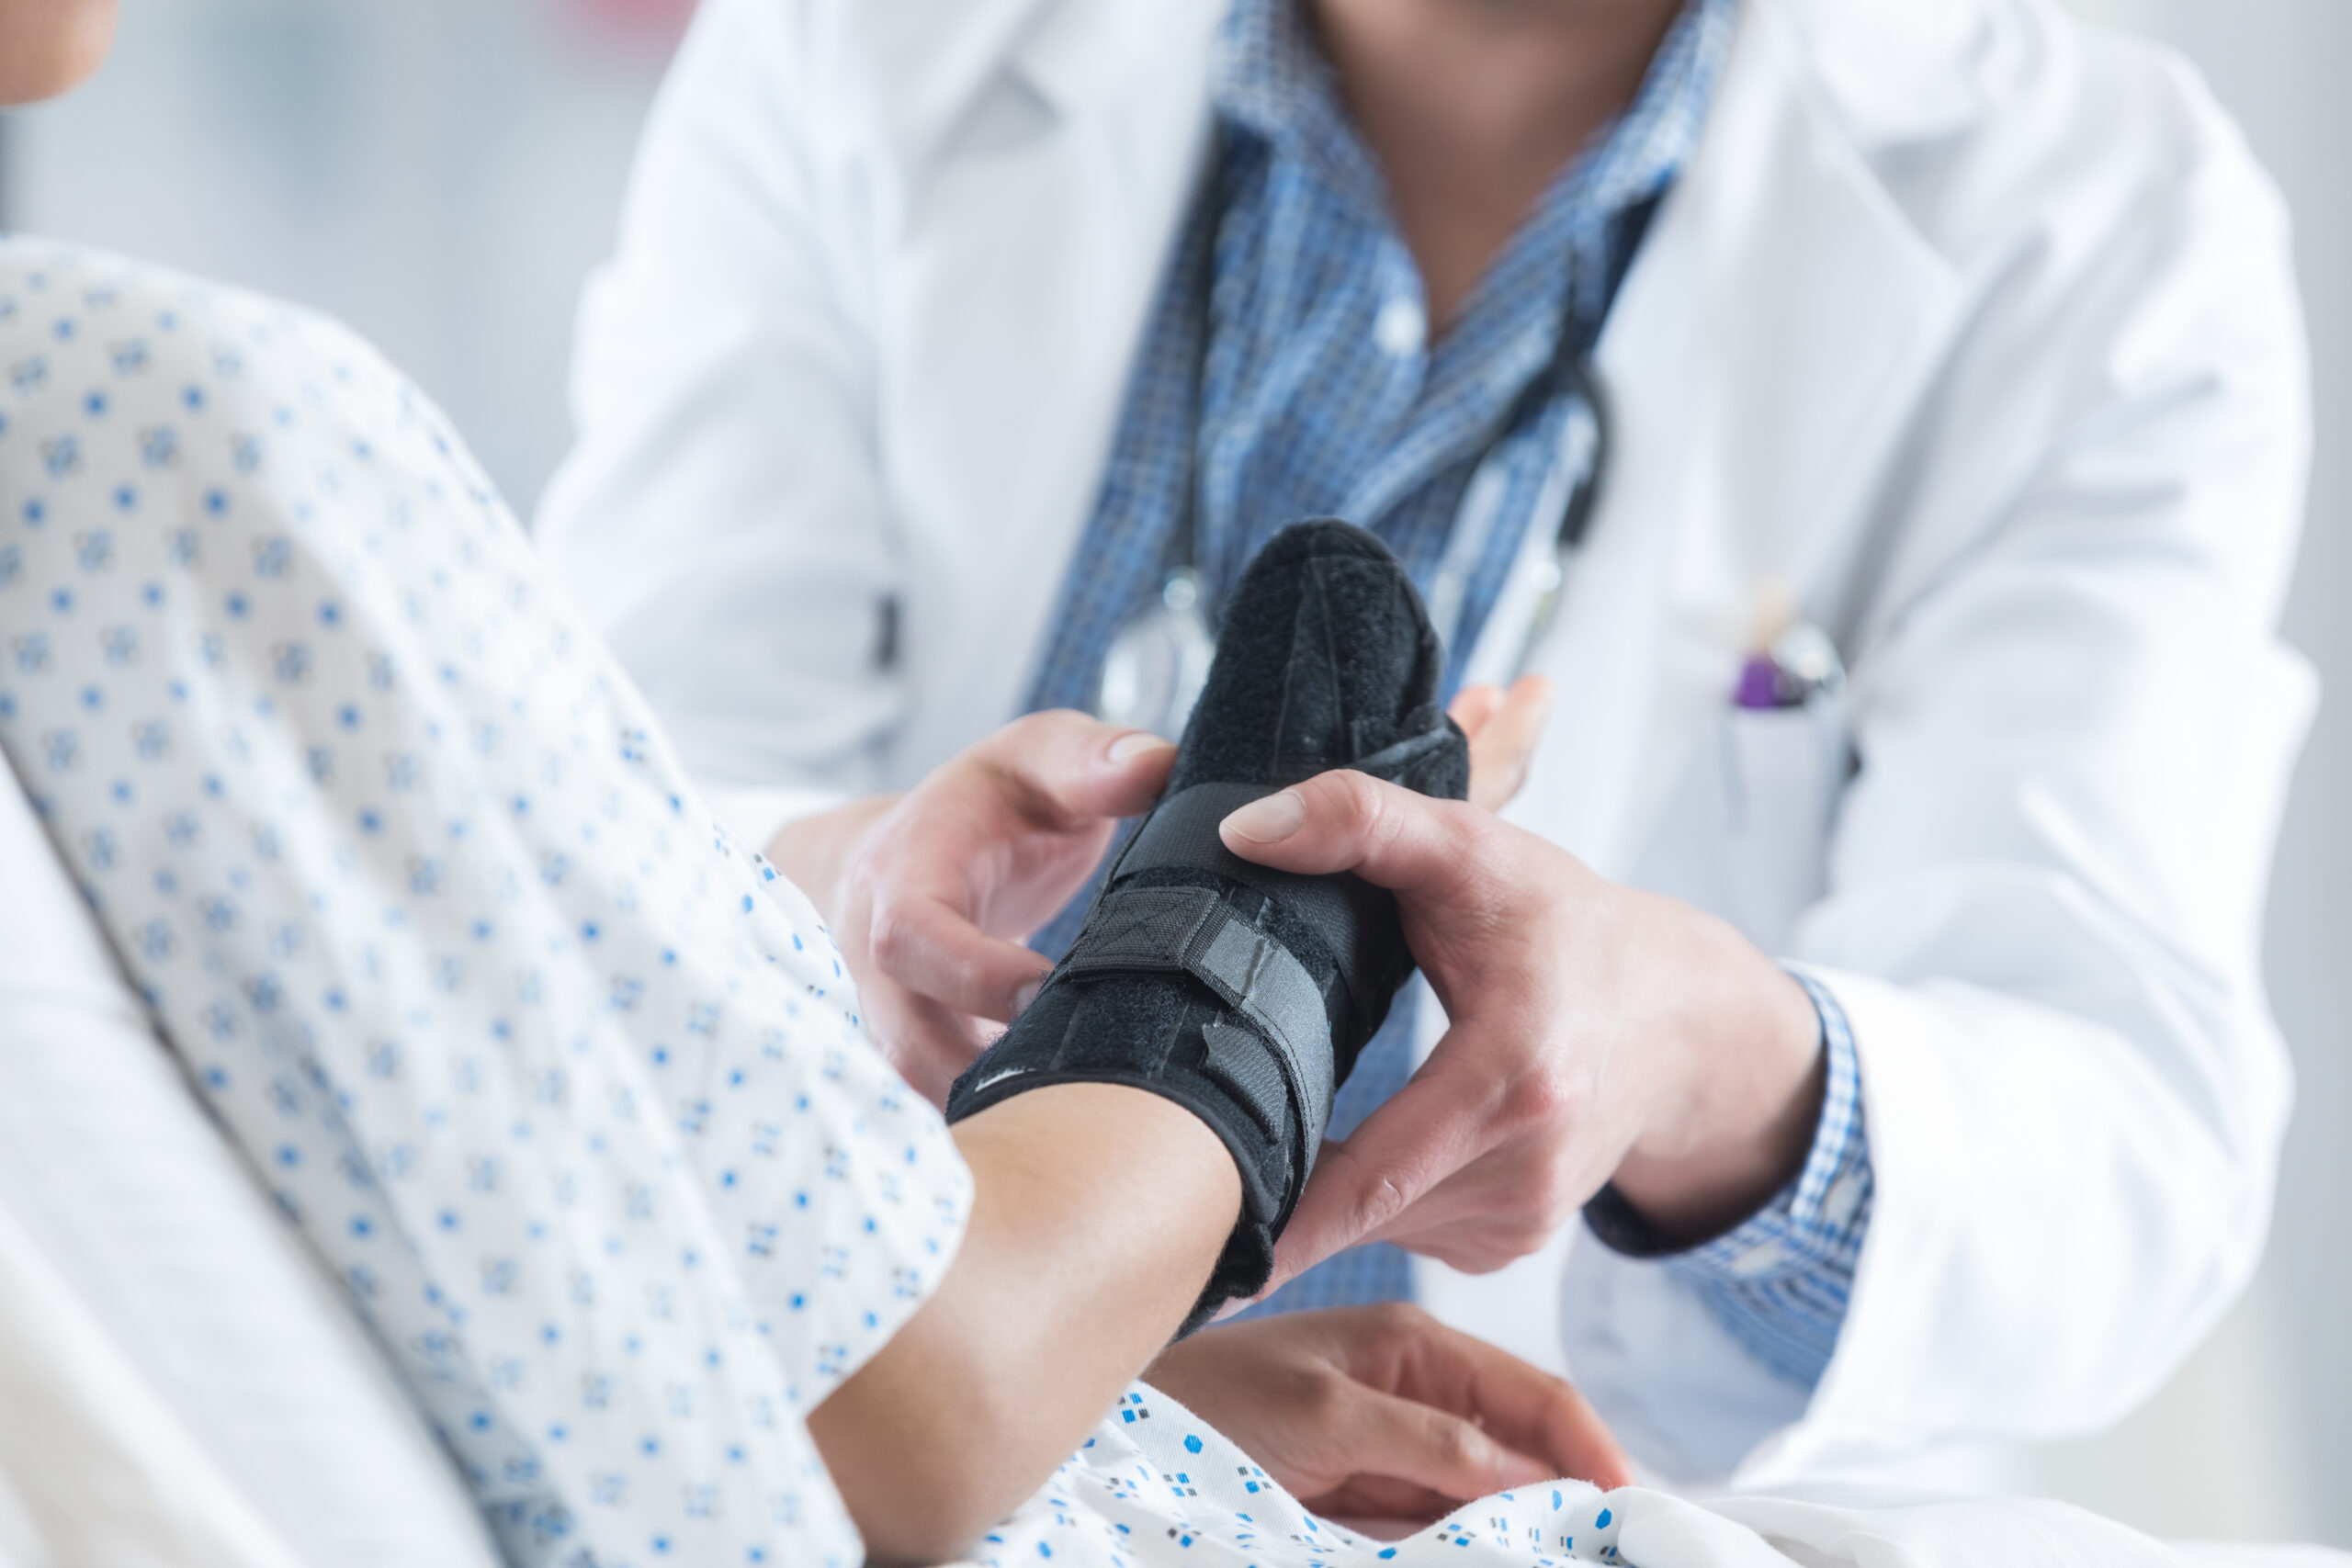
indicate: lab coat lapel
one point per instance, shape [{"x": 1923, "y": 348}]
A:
[
  {"x": 935, "y": 58},
  {"x": 1766, "y": 351},
  {"x": 1029, "y": 245}
]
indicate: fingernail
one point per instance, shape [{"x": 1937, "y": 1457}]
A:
[
  {"x": 1271, "y": 820},
  {"x": 1135, "y": 745},
  {"x": 1025, "y": 995}
]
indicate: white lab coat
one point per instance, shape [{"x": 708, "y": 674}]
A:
[{"x": 1975, "y": 327}]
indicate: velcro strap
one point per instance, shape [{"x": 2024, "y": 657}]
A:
[
  {"x": 1181, "y": 832},
  {"x": 1191, "y": 930},
  {"x": 1391, "y": 760}
]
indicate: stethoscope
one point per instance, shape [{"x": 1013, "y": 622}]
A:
[{"x": 1160, "y": 659}]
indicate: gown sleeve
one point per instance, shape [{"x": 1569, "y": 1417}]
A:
[{"x": 568, "y": 1090}]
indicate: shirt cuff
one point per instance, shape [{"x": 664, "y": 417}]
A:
[{"x": 1779, "y": 1280}]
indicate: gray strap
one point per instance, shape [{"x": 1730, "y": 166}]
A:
[
  {"x": 1191, "y": 930},
  {"x": 1182, "y": 831},
  {"x": 1387, "y": 763},
  {"x": 1236, "y": 1059}
]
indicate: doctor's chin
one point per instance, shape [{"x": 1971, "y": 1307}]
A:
[{"x": 1491, "y": 782}]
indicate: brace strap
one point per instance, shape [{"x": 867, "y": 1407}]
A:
[
  {"x": 1341, "y": 910},
  {"x": 1191, "y": 930}
]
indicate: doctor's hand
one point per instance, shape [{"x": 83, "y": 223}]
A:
[
  {"x": 930, "y": 894},
  {"x": 1503, "y": 728},
  {"x": 1385, "y": 1413},
  {"x": 1596, "y": 1032}
]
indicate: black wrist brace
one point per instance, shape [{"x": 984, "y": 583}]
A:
[{"x": 1245, "y": 994}]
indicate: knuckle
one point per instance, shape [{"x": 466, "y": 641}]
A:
[
  {"x": 1322, "y": 1394},
  {"x": 1395, "y": 1320},
  {"x": 1377, "y": 1204},
  {"x": 1453, "y": 1443},
  {"x": 885, "y": 937},
  {"x": 1547, "y": 1098},
  {"x": 1368, "y": 1198},
  {"x": 894, "y": 936},
  {"x": 1354, "y": 800},
  {"x": 1378, "y": 817}
]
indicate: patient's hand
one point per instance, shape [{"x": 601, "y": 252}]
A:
[
  {"x": 1385, "y": 1413},
  {"x": 930, "y": 894},
  {"x": 1503, "y": 727}
]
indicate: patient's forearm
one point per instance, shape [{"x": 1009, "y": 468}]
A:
[{"x": 1098, "y": 1213}]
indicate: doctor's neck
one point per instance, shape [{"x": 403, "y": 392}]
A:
[{"x": 1472, "y": 107}]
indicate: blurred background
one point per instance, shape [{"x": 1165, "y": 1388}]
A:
[{"x": 442, "y": 173}]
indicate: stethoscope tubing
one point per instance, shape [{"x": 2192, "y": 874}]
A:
[{"x": 1570, "y": 373}]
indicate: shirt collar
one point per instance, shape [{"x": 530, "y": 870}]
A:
[
  {"x": 1637, "y": 154},
  {"x": 1269, "y": 77}
]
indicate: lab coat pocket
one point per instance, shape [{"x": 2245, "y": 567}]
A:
[{"x": 1746, "y": 833}]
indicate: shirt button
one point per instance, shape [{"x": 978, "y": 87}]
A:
[{"x": 1398, "y": 328}]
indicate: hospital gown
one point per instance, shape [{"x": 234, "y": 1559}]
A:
[{"x": 568, "y": 1090}]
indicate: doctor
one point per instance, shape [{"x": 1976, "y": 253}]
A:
[{"x": 1898, "y": 1027}]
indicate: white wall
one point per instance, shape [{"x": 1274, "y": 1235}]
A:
[
  {"x": 441, "y": 173},
  {"x": 438, "y": 172}
]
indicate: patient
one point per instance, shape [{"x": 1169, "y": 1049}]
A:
[{"x": 570, "y": 1091}]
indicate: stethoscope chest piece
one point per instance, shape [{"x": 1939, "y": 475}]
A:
[{"x": 1159, "y": 662}]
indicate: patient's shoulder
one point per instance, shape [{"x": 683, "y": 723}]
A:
[
  {"x": 70, "y": 314},
  {"x": 171, "y": 379}
]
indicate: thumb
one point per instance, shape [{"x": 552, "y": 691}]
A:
[
  {"x": 1064, "y": 767},
  {"x": 1389, "y": 835}
]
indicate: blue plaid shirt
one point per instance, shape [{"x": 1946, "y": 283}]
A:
[{"x": 1318, "y": 392}]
